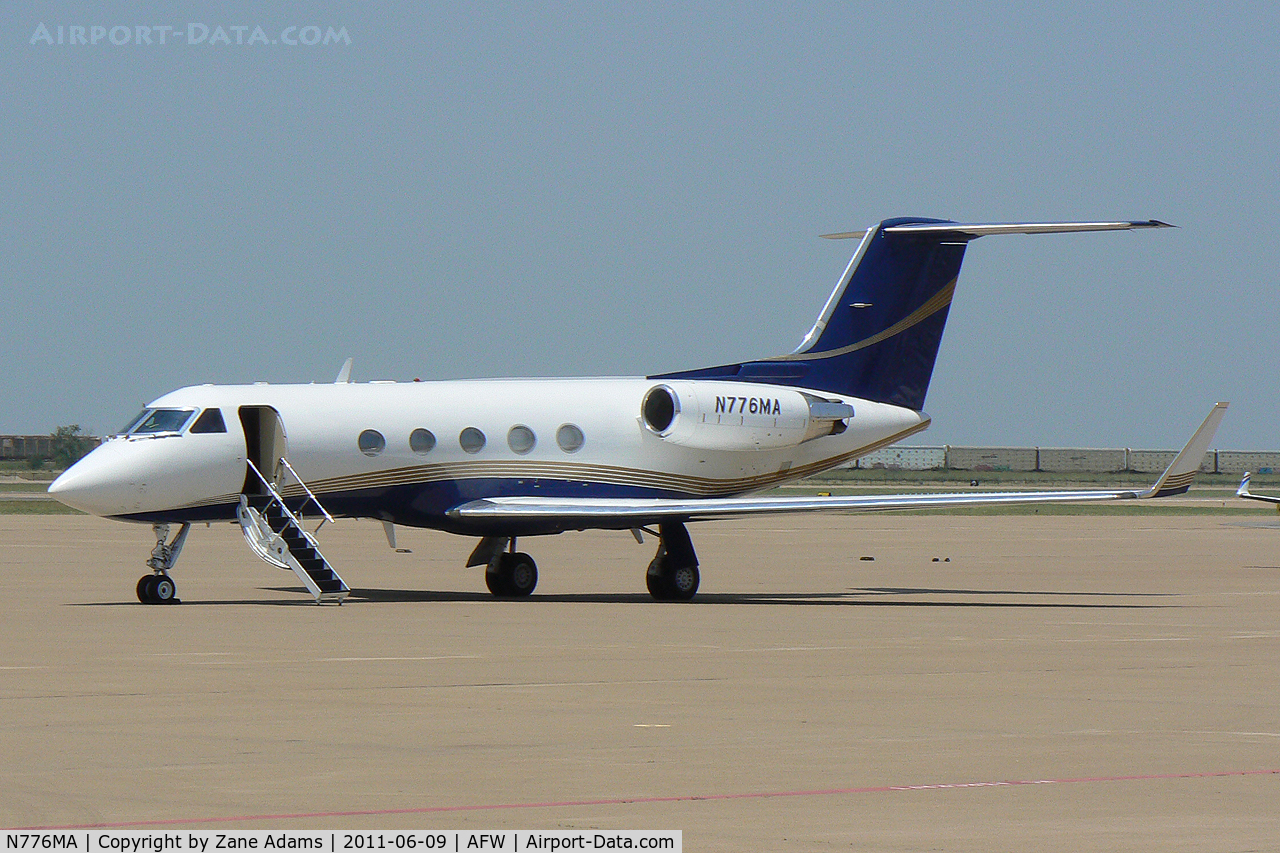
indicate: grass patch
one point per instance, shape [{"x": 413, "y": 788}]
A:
[
  {"x": 1040, "y": 479},
  {"x": 23, "y": 469},
  {"x": 25, "y": 488},
  {"x": 50, "y": 507},
  {"x": 811, "y": 488}
]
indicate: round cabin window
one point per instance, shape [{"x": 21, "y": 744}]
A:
[
  {"x": 570, "y": 438},
  {"x": 422, "y": 441},
  {"x": 521, "y": 439},
  {"x": 371, "y": 442},
  {"x": 472, "y": 440}
]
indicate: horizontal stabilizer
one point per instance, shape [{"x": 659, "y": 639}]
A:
[
  {"x": 982, "y": 229},
  {"x": 878, "y": 334},
  {"x": 627, "y": 513}
]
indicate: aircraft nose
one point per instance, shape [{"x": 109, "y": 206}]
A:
[
  {"x": 71, "y": 487},
  {"x": 88, "y": 486}
]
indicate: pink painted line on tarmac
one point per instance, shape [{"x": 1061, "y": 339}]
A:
[{"x": 688, "y": 798}]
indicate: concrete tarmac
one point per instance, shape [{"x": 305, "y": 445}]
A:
[{"x": 807, "y": 700}]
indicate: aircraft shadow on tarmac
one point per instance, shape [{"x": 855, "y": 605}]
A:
[
  {"x": 865, "y": 597},
  {"x": 859, "y": 597}
]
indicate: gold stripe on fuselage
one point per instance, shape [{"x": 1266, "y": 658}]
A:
[
  {"x": 587, "y": 474},
  {"x": 521, "y": 469}
]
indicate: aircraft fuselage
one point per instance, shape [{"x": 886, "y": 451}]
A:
[{"x": 407, "y": 452}]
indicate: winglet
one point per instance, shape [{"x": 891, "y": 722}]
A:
[
  {"x": 1177, "y": 478},
  {"x": 1243, "y": 492},
  {"x": 344, "y": 375}
]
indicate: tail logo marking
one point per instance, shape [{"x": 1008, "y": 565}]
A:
[{"x": 936, "y": 303}]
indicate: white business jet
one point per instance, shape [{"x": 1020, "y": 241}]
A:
[{"x": 506, "y": 458}]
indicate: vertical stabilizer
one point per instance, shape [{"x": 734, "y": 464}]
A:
[{"x": 878, "y": 335}]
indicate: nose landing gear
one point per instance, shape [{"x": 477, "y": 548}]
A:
[{"x": 159, "y": 588}]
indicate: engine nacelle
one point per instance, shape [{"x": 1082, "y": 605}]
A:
[{"x": 739, "y": 415}]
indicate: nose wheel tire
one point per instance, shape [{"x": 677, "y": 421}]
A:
[
  {"x": 157, "y": 589},
  {"x": 511, "y": 575}
]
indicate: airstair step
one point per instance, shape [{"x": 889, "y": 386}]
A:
[{"x": 301, "y": 552}]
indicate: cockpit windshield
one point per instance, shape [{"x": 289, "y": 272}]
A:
[
  {"x": 153, "y": 421},
  {"x": 133, "y": 423}
]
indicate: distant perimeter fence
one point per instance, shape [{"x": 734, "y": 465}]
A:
[
  {"x": 26, "y": 447},
  {"x": 1061, "y": 460}
]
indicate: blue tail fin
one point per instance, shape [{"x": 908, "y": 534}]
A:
[{"x": 878, "y": 335}]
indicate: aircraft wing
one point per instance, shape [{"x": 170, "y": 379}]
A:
[
  {"x": 1243, "y": 492},
  {"x": 621, "y": 512}
]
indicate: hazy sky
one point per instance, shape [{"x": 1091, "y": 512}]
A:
[{"x": 480, "y": 191}]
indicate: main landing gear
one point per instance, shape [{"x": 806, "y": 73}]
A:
[
  {"x": 511, "y": 575},
  {"x": 159, "y": 588},
  {"x": 672, "y": 576},
  {"x": 508, "y": 573}
]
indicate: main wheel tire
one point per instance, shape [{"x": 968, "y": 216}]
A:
[
  {"x": 656, "y": 581},
  {"x": 496, "y": 578},
  {"x": 667, "y": 582},
  {"x": 522, "y": 575},
  {"x": 143, "y": 594},
  {"x": 512, "y": 576},
  {"x": 684, "y": 582}
]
